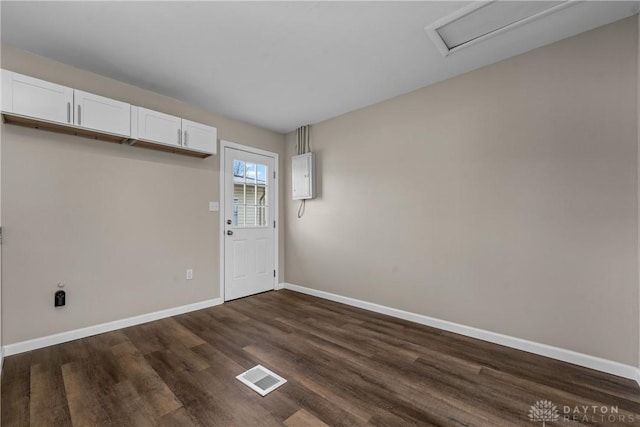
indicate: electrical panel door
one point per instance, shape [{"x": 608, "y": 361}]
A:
[{"x": 303, "y": 176}]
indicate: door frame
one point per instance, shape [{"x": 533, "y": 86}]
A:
[{"x": 276, "y": 201}]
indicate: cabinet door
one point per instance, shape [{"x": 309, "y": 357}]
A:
[
  {"x": 154, "y": 126},
  {"x": 102, "y": 114},
  {"x": 37, "y": 98},
  {"x": 199, "y": 137}
]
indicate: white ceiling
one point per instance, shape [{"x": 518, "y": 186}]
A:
[{"x": 275, "y": 64}]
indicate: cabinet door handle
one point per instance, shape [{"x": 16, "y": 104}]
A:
[
  {"x": 179, "y": 137},
  {"x": 68, "y": 112},
  {"x": 79, "y": 115},
  {"x": 186, "y": 139}
]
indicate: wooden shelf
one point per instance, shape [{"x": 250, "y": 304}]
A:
[
  {"x": 87, "y": 133},
  {"x": 169, "y": 149},
  {"x": 61, "y": 128}
]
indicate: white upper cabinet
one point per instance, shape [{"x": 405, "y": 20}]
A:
[
  {"x": 154, "y": 126},
  {"x": 30, "y": 97},
  {"x": 101, "y": 114},
  {"x": 199, "y": 137},
  {"x": 49, "y": 102},
  {"x": 31, "y": 102}
]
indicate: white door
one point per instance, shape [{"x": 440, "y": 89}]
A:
[
  {"x": 196, "y": 136},
  {"x": 102, "y": 114},
  {"x": 37, "y": 98},
  {"x": 155, "y": 126},
  {"x": 249, "y": 258}
]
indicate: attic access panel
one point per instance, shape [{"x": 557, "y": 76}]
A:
[{"x": 481, "y": 20}]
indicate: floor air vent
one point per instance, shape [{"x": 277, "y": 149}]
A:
[{"x": 261, "y": 380}]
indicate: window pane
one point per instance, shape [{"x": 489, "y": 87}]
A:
[
  {"x": 240, "y": 218},
  {"x": 238, "y": 194},
  {"x": 238, "y": 171},
  {"x": 262, "y": 174},
  {"x": 262, "y": 196},
  {"x": 249, "y": 196},
  {"x": 235, "y": 212},
  {"x": 251, "y": 173},
  {"x": 251, "y": 216},
  {"x": 262, "y": 216}
]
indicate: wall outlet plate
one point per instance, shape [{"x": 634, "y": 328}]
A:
[
  {"x": 189, "y": 273},
  {"x": 214, "y": 206}
]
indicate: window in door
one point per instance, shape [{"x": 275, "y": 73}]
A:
[{"x": 250, "y": 194}]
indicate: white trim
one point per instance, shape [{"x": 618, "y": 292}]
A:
[
  {"x": 581, "y": 359},
  {"x": 1, "y": 360},
  {"x": 432, "y": 29},
  {"x": 280, "y": 286},
  {"x": 276, "y": 202},
  {"x": 247, "y": 148},
  {"x": 221, "y": 211},
  {"x": 62, "y": 337}
]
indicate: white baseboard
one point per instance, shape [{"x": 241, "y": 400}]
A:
[
  {"x": 279, "y": 286},
  {"x": 597, "y": 363},
  {"x": 36, "y": 343}
]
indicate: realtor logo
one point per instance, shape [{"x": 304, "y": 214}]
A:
[{"x": 544, "y": 411}]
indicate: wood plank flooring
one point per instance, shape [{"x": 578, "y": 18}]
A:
[{"x": 344, "y": 366}]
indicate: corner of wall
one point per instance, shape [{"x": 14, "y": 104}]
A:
[
  {"x": 558, "y": 353},
  {"x": 457, "y": 162}
]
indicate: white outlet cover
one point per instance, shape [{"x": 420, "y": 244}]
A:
[
  {"x": 189, "y": 274},
  {"x": 214, "y": 206}
]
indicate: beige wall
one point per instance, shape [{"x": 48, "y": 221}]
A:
[
  {"x": 118, "y": 224},
  {"x": 504, "y": 199}
]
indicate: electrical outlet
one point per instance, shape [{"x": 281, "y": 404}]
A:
[
  {"x": 59, "y": 299},
  {"x": 214, "y": 206},
  {"x": 189, "y": 274}
]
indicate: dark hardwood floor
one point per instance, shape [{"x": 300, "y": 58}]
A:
[{"x": 344, "y": 367}]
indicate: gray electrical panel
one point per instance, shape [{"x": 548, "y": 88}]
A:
[{"x": 303, "y": 177}]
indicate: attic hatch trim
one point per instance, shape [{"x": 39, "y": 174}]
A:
[{"x": 436, "y": 37}]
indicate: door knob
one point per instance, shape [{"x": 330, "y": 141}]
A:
[
  {"x": 229, "y": 221},
  {"x": 229, "y": 233}
]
